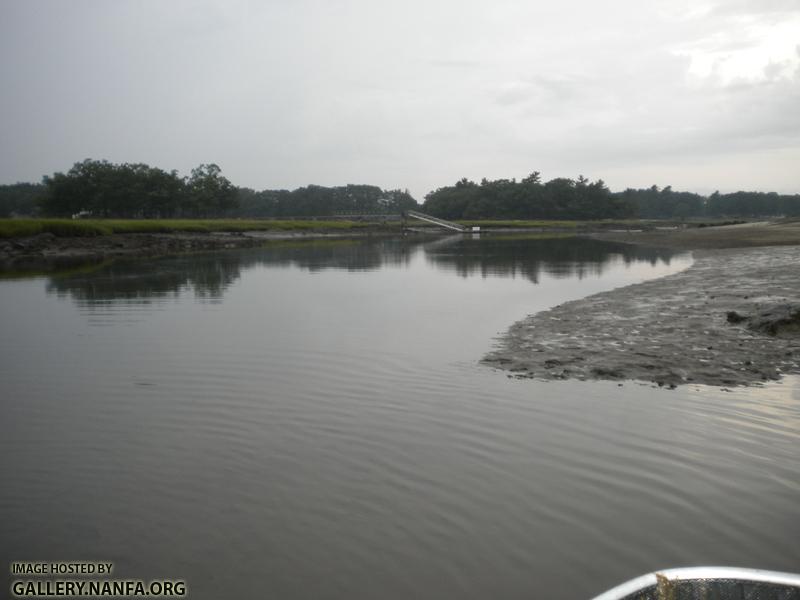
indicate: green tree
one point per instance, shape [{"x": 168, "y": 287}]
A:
[
  {"x": 20, "y": 199},
  {"x": 208, "y": 193}
]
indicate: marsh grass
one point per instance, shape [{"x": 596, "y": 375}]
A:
[
  {"x": 10, "y": 228},
  {"x": 544, "y": 224},
  {"x": 520, "y": 223}
]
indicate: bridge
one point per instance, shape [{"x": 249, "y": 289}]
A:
[
  {"x": 436, "y": 221},
  {"x": 372, "y": 216}
]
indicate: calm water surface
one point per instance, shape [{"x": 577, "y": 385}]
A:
[{"x": 310, "y": 420}]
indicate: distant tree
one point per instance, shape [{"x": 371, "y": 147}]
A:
[
  {"x": 559, "y": 198},
  {"x": 652, "y": 203},
  {"x": 451, "y": 202},
  {"x": 753, "y": 204},
  {"x": 315, "y": 200},
  {"x": 113, "y": 190},
  {"x": 208, "y": 193},
  {"x": 533, "y": 178},
  {"x": 398, "y": 201},
  {"x": 20, "y": 199},
  {"x": 160, "y": 193},
  {"x": 136, "y": 190}
]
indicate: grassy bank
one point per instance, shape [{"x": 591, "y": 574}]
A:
[
  {"x": 526, "y": 224},
  {"x": 565, "y": 224},
  {"x": 10, "y": 228},
  {"x": 94, "y": 227}
]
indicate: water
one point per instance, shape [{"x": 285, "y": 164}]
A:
[{"x": 311, "y": 421}]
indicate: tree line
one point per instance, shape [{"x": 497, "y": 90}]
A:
[
  {"x": 101, "y": 189},
  {"x": 529, "y": 198},
  {"x": 316, "y": 200},
  {"x": 580, "y": 198},
  {"x": 135, "y": 190},
  {"x": 655, "y": 203}
]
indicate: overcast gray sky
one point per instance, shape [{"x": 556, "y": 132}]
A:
[{"x": 701, "y": 95}]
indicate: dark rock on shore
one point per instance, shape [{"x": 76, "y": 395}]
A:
[
  {"x": 735, "y": 317},
  {"x": 778, "y": 320}
]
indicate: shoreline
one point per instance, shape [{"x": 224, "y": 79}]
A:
[
  {"x": 47, "y": 252},
  {"x": 668, "y": 331},
  {"x": 675, "y": 330},
  {"x": 785, "y": 232}
]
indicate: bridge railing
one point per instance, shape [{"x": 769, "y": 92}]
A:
[{"x": 436, "y": 221}]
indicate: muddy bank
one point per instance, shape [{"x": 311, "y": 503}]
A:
[
  {"x": 785, "y": 232},
  {"x": 48, "y": 252},
  {"x": 46, "y": 249},
  {"x": 673, "y": 330}
]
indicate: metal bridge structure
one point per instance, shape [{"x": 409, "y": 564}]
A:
[{"x": 436, "y": 221}]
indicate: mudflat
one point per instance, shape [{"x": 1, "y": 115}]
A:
[
  {"x": 732, "y": 318},
  {"x": 785, "y": 232}
]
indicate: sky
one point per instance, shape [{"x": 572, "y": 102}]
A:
[{"x": 700, "y": 95}]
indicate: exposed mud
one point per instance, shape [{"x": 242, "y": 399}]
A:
[
  {"x": 46, "y": 247},
  {"x": 784, "y": 232},
  {"x": 47, "y": 252},
  {"x": 673, "y": 330}
]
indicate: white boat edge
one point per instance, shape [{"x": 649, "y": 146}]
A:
[{"x": 687, "y": 573}]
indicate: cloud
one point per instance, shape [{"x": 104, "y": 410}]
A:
[
  {"x": 749, "y": 8},
  {"x": 413, "y": 94},
  {"x": 745, "y": 41}
]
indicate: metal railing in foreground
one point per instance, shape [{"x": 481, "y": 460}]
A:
[{"x": 706, "y": 583}]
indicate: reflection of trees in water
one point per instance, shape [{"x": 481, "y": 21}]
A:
[
  {"x": 143, "y": 281},
  {"x": 209, "y": 275},
  {"x": 558, "y": 257},
  {"x": 348, "y": 255}
]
